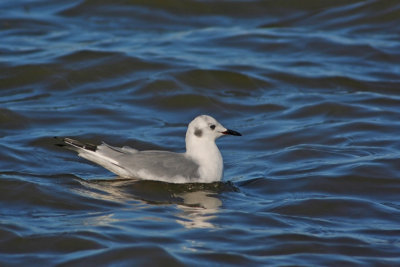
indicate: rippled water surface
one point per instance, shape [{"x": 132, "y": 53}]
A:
[{"x": 313, "y": 86}]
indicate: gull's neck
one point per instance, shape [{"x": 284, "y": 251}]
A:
[{"x": 206, "y": 153}]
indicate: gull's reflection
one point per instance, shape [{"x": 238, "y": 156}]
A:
[
  {"x": 198, "y": 204},
  {"x": 198, "y": 210},
  {"x": 103, "y": 189}
]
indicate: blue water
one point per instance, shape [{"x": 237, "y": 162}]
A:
[{"x": 313, "y": 86}]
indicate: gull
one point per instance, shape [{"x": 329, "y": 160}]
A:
[{"x": 201, "y": 163}]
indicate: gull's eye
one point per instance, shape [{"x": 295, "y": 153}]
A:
[{"x": 212, "y": 127}]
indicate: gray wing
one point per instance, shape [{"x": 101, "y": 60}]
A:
[
  {"x": 131, "y": 163},
  {"x": 152, "y": 164},
  {"x": 161, "y": 164}
]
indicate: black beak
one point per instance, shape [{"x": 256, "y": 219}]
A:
[{"x": 232, "y": 132}]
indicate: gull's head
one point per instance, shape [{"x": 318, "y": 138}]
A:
[{"x": 205, "y": 127}]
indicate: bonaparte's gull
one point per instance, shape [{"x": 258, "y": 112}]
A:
[{"x": 201, "y": 163}]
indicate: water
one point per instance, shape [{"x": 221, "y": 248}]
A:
[{"x": 313, "y": 86}]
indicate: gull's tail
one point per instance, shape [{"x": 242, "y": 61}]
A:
[
  {"x": 76, "y": 145},
  {"x": 103, "y": 155}
]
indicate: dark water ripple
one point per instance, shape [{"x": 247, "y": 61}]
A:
[{"x": 312, "y": 85}]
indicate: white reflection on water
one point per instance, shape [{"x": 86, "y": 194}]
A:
[
  {"x": 107, "y": 190},
  {"x": 198, "y": 209}
]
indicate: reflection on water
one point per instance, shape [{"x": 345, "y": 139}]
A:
[
  {"x": 198, "y": 209},
  {"x": 197, "y": 204},
  {"x": 105, "y": 189}
]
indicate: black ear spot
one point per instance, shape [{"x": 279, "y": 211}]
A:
[
  {"x": 198, "y": 132},
  {"x": 212, "y": 127}
]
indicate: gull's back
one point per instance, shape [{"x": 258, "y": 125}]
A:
[{"x": 150, "y": 165}]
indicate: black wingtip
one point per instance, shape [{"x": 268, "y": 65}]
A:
[
  {"x": 90, "y": 147},
  {"x": 71, "y": 142}
]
